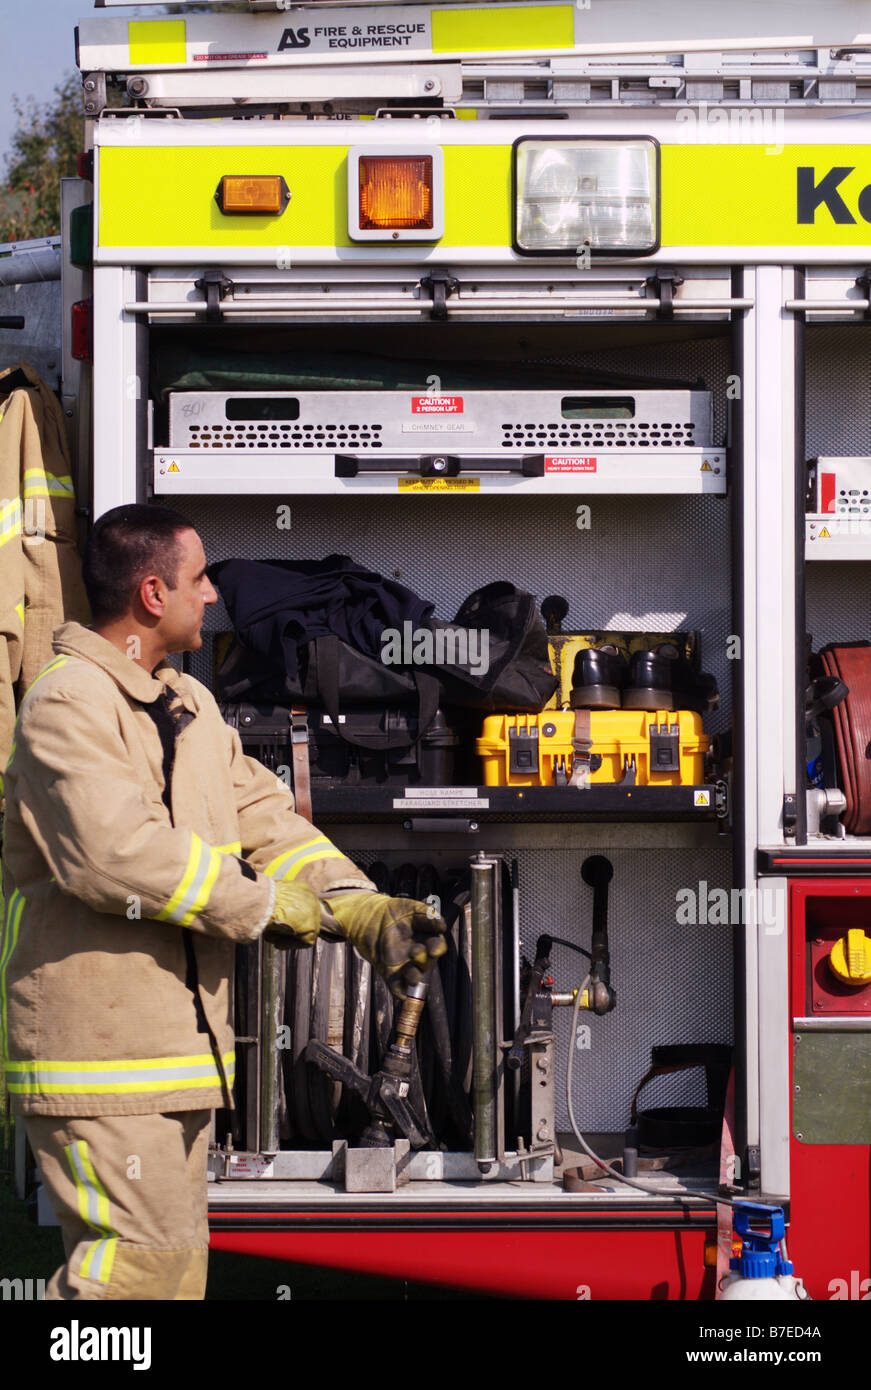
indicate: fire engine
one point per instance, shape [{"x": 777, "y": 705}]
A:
[{"x": 576, "y": 297}]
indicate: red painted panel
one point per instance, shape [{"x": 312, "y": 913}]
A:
[
  {"x": 830, "y": 1230},
  {"x": 827, "y": 492},
  {"x": 597, "y": 1265}
]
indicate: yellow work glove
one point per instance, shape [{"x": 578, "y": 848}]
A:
[
  {"x": 391, "y": 933},
  {"x": 296, "y": 916}
]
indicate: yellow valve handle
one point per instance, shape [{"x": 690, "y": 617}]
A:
[{"x": 850, "y": 958}]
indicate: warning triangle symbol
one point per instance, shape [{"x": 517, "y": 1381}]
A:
[
  {"x": 173, "y": 468},
  {"x": 825, "y": 534},
  {"x": 706, "y": 467}
]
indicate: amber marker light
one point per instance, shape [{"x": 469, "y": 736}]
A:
[
  {"x": 266, "y": 194},
  {"x": 395, "y": 192},
  {"x": 395, "y": 195}
]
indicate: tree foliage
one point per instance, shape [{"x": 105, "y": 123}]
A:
[{"x": 43, "y": 150}]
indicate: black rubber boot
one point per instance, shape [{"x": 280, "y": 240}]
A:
[
  {"x": 598, "y": 678},
  {"x": 651, "y": 679}
]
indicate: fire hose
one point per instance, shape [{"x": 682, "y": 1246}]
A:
[{"x": 851, "y": 662}]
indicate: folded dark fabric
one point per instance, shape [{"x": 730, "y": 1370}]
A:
[
  {"x": 277, "y": 605},
  {"x": 330, "y": 632}
]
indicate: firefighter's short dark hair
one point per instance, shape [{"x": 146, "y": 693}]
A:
[{"x": 125, "y": 545}]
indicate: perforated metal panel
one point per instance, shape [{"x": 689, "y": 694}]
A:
[
  {"x": 649, "y": 564},
  {"x": 324, "y": 420},
  {"x": 673, "y": 978},
  {"x": 644, "y": 564}
]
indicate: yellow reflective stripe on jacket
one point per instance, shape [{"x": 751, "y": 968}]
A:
[
  {"x": 93, "y": 1199},
  {"x": 117, "y": 1078},
  {"x": 93, "y": 1202},
  {"x": 288, "y": 865},
  {"x": 14, "y": 909},
  {"x": 99, "y": 1259},
  {"x": 52, "y": 666},
  {"x": 234, "y": 848},
  {"x": 194, "y": 890},
  {"x": 10, "y": 520},
  {"x": 38, "y": 483},
  {"x": 19, "y": 611},
  {"x": 8, "y": 765}
]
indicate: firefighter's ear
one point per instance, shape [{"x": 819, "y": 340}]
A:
[{"x": 152, "y": 595}]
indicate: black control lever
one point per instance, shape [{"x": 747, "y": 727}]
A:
[
  {"x": 597, "y": 871},
  {"x": 383, "y": 1094}
]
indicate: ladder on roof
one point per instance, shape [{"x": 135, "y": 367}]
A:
[{"x": 352, "y": 57}]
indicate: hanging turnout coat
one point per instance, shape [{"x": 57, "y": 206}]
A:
[
  {"x": 101, "y": 880},
  {"x": 40, "y": 571}
]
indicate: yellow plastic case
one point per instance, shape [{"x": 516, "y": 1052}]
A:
[{"x": 663, "y": 748}]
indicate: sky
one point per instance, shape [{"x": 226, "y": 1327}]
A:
[{"x": 39, "y": 50}]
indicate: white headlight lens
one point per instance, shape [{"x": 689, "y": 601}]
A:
[{"x": 572, "y": 193}]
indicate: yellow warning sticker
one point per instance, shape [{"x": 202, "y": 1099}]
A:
[
  {"x": 439, "y": 484},
  {"x": 173, "y": 468},
  {"x": 706, "y": 467},
  {"x": 701, "y": 798},
  {"x": 154, "y": 43},
  {"x": 476, "y": 30},
  {"x": 824, "y": 535}
]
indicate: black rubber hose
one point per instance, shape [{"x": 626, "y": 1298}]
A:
[
  {"x": 320, "y": 1086},
  {"x": 300, "y": 989}
]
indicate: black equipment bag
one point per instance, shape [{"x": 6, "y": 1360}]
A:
[
  {"x": 518, "y": 677},
  {"x": 497, "y": 643},
  {"x": 373, "y": 748}
]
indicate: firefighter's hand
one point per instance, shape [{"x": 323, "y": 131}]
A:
[
  {"x": 393, "y": 934},
  {"x": 296, "y": 916}
]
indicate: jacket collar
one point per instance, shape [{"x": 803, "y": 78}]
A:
[{"x": 72, "y": 639}]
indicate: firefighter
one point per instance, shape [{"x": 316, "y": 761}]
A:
[{"x": 141, "y": 846}]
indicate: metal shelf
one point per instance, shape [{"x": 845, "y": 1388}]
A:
[
  {"x": 184, "y": 472},
  {"x": 479, "y": 805},
  {"x": 837, "y": 538}
]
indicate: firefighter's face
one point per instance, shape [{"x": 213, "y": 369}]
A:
[{"x": 186, "y": 603}]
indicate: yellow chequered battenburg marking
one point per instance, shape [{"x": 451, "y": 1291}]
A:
[
  {"x": 472, "y": 31},
  {"x": 155, "y": 41}
]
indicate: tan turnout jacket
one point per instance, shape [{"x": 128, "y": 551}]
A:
[
  {"x": 100, "y": 881},
  {"x": 40, "y": 570}
]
